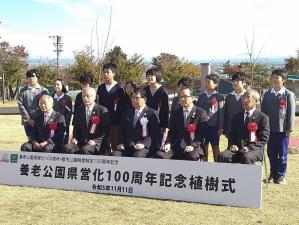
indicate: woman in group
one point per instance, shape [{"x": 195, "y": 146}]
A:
[
  {"x": 63, "y": 104},
  {"x": 157, "y": 98}
]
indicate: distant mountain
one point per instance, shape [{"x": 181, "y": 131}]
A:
[
  {"x": 62, "y": 61},
  {"x": 277, "y": 61}
]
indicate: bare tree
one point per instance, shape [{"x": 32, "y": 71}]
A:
[{"x": 251, "y": 52}]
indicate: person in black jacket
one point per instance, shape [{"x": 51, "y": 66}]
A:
[
  {"x": 86, "y": 81},
  {"x": 139, "y": 130},
  {"x": 63, "y": 104},
  {"x": 157, "y": 99},
  {"x": 48, "y": 131},
  {"x": 111, "y": 95},
  {"x": 249, "y": 133},
  {"x": 91, "y": 126},
  {"x": 187, "y": 127}
]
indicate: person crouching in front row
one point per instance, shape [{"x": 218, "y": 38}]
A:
[
  {"x": 249, "y": 133},
  {"x": 91, "y": 125},
  {"x": 139, "y": 130},
  {"x": 187, "y": 127},
  {"x": 48, "y": 131}
]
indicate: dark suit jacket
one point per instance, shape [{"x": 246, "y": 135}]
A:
[
  {"x": 130, "y": 135},
  {"x": 79, "y": 102},
  {"x": 81, "y": 130},
  {"x": 239, "y": 134},
  {"x": 178, "y": 130},
  {"x": 42, "y": 133}
]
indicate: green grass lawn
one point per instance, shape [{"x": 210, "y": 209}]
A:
[{"x": 26, "y": 206}]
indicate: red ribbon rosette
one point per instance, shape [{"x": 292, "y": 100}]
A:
[
  {"x": 116, "y": 103},
  {"x": 213, "y": 101},
  {"x": 95, "y": 120},
  {"x": 191, "y": 128},
  {"x": 52, "y": 127},
  {"x": 282, "y": 103},
  {"x": 252, "y": 127}
]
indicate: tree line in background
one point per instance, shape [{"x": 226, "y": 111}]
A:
[{"x": 13, "y": 63}]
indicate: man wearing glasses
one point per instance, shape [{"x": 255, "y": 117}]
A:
[
  {"x": 249, "y": 133},
  {"x": 187, "y": 126},
  {"x": 139, "y": 130}
]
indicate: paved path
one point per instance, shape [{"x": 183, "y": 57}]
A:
[{"x": 9, "y": 111}]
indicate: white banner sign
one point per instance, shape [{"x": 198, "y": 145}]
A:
[{"x": 212, "y": 183}]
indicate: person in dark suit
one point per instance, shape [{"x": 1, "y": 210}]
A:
[
  {"x": 47, "y": 134},
  {"x": 187, "y": 127},
  {"x": 92, "y": 125},
  {"x": 86, "y": 81},
  {"x": 139, "y": 130},
  {"x": 249, "y": 133}
]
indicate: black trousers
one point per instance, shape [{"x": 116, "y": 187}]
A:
[
  {"x": 80, "y": 149},
  {"x": 237, "y": 157},
  {"x": 179, "y": 154},
  {"x": 142, "y": 153},
  {"x": 28, "y": 147}
]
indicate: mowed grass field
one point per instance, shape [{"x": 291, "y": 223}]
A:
[{"x": 24, "y": 205}]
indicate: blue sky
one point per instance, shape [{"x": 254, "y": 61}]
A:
[{"x": 193, "y": 29}]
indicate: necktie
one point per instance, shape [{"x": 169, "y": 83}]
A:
[
  {"x": 46, "y": 117},
  {"x": 135, "y": 118},
  {"x": 247, "y": 118},
  {"x": 186, "y": 113},
  {"x": 87, "y": 116}
]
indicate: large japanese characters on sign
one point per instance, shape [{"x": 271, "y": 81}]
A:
[{"x": 213, "y": 183}]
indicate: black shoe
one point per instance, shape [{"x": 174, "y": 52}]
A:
[
  {"x": 272, "y": 178},
  {"x": 280, "y": 179}
]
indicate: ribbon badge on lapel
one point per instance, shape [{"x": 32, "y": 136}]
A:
[
  {"x": 52, "y": 127},
  {"x": 95, "y": 120},
  {"x": 252, "y": 128},
  {"x": 143, "y": 122},
  {"x": 213, "y": 103},
  {"x": 191, "y": 128},
  {"x": 283, "y": 107},
  {"x": 116, "y": 103}
]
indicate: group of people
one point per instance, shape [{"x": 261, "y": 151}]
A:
[{"x": 136, "y": 121}]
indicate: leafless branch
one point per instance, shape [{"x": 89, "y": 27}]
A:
[{"x": 108, "y": 33}]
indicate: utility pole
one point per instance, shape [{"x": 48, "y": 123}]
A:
[
  {"x": 3, "y": 88},
  {"x": 57, "y": 42}
]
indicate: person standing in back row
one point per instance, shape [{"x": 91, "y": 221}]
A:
[
  {"x": 63, "y": 104},
  {"x": 111, "y": 95},
  {"x": 28, "y": 100},
  {"x": 212, "y": 102},
  {"x": 279, "y": 104},
  {"x": 233, "y": 101},
  {"x": 157, "y": 98}
]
